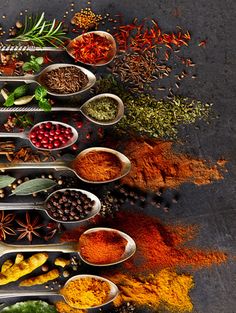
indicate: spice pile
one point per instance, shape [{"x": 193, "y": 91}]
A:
[
  {"x": 98, "y": 166},
  {"x": 92, "y": 48},
  {"x": 102, "y": 247},
  {"x": 156, "y": 164},
  {"x": 166, "y": 244},
  {"x": 86, "y": 19},
  {"x": 64, "y": 80}
]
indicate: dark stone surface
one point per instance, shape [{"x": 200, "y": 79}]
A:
[{"x": 212, "y": 207}]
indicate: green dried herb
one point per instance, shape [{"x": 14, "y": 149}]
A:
[
  {"x": 102, "y": 109},
  {"x": 146, "y": 115}
]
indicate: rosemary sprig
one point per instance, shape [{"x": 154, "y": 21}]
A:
[{"x": 41, "y": 32}]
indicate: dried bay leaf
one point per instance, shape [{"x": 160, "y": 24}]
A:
[
  {"x": 34, "y": 185},
  {"x": 6, "y": 180}
]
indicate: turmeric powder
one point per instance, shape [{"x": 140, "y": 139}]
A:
[
  {"x": 63, "y": 307},
  {"x": 165, "y": 288},
  {"x": 87, "y": 292}
]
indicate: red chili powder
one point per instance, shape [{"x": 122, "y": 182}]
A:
[{"x": 158, "y": 245}]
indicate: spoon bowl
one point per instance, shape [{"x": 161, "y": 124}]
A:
[
  {"x": 42, "y": 206},
  {"x": 130, "y": 248},
  {"x": 120, "y": 109},
  {"x": 112, "y": 52},
  {"x": 114, "y": 291}
]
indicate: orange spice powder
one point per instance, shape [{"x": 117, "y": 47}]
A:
[{"x": 155, "y": 164}]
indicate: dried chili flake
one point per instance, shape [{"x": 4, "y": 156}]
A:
[
  {"x": 91, "y": 48},
  {"x": 202, "y": 43}
]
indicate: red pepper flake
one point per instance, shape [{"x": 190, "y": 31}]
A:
[
  {"x": 202, "y": 43},
  {"x": 140, "y": 37},
  {"x": 91, "y": 48}
]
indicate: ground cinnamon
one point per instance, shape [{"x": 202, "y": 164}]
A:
[{"x": 155, "y": 165}]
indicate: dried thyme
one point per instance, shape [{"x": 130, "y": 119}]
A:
[{"x": 102, "y": 109}]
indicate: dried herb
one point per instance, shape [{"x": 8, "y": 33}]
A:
[
  {"x": 6, "y": 180},
  {"x": 102, "y": 109},
  {"x": 41, "y": 32},
  {"x": 6, "y": 225},
  {"x": 161, "y": 118},
  {"x": 28, "y": 229},
  {"x": 34, "y": 185},
  {"x": 36, "y": 306}
]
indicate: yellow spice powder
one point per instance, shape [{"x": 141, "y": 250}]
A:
[{"x": 86, "y": 292}]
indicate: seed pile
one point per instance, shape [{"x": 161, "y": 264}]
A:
[
  {"x": 69, "y": 205},
  {"x": 65, "y": 80},
  {"x": 86, "y": 19},
  {"x": 139, "y": 69}
]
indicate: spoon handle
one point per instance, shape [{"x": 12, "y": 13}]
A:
[
  {"x": 22, "y": 135},
  {"x": 56, "y": 247},
  {"x": 6, "y": 206},
  {"x": 10, "y": 48},
  {"x": 26, "y": 79},
  {"x": 14, "y": 293},
  {"x": 57, "y": 165}
]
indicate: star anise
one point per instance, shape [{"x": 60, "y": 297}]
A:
[
  {"x": 29, "y": 228},
  {"x": 5, "y": 225}
]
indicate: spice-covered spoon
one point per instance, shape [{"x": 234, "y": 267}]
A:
[
  {"x": 40, "y": 78},
  {"x": 113, "y": 292},
  {"x": 69, "y": 48},
  {"x": 66, "y": 199},
  {"x": 70, "y": 247},
  {"x": 57, "y": 135},
  {"x": 72, "y": 165}
]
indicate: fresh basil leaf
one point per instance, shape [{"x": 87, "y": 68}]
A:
[
  {"x": 20, "y": 91},
  {"x": 34, "y": 185},
  {"x": 39, "y": 60},
  {"x": 45, "y": 105},
  {"x": 40, "y": 92},
  {"x": 10, "y": 100},
  {"x": 6, "y": 180},
  {"x": 26, "y": 66}
]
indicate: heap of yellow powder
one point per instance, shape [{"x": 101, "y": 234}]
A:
[{"x": 164, "y": 288}]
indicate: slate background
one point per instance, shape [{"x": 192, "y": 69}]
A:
[{"x": 211, "y": 206}]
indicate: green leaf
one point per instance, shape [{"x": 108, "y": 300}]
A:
[
  {"x": 34, "y": 185},
  {"x": 20, "y": 91},
  {"x": 39, "y": 60},
  {"x": 27, "y": 66},
  {"x": 6, "y": 180},
  {"x": 10, "y": 100},
  {"x": 40, "y": 92},
  {"x": 45, "y": 105},
  {"x": 29, "y": 306}
]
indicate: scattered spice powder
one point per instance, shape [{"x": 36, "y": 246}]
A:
[
  {"x": 165, "y": 288},
  {"x": 86, "y": 292},
  {"x": 102, "y": 247},
  {"x": 158, "y": 246},
  {"x": 92, "y": 48},
  {"x": 63, "y": 307},
  {"x": 98, "y": 166},
  {"x": 155, "y": 164}
]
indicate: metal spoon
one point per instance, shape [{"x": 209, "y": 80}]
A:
[
  {"x": 25, "y": 135},
  {"x": 39, "y": 78},
  {"x": 70, "y": 165},
  {"x": 68, "y": 49},
  {"x": 30, "y": 108},
  {"x": 42, "y": 206},
  {"x": 71, "y": 247},
  {"x": 111, "y": 297}
]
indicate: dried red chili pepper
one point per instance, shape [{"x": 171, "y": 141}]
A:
[{"x": 91, "y": 48}]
